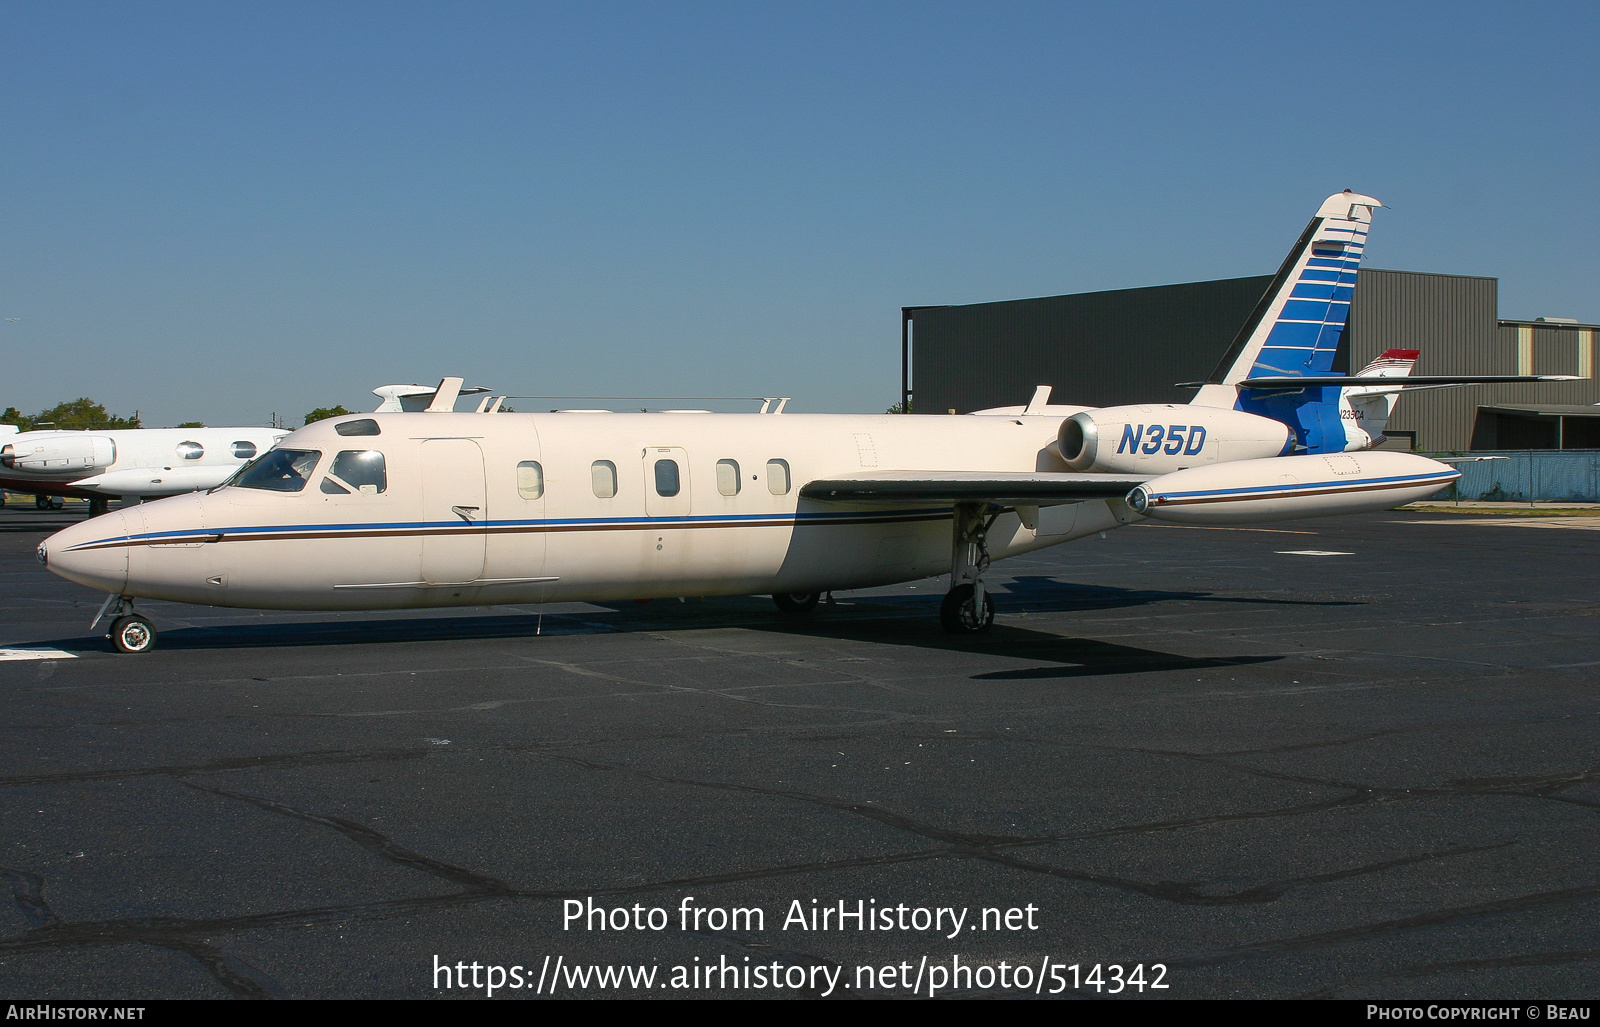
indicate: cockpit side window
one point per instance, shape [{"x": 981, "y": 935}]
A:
[
  {"x": 279, "y": 470},
  {"x": 356, "y": 470}
]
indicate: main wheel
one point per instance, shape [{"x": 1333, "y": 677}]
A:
[
  {"x": 797, "y": 602},
  {"x": 55, "y": 502},
  {"x": 41, "y": 502},
  {"x": 132, "y": 634},
  {"x": 959, "y": 613}
]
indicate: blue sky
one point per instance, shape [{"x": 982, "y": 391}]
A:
[{"x": 216, "y": 211}]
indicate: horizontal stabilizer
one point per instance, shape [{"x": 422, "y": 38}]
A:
[
  {"x": 397, "y": 398},
  {"x": 1295, "y": 382},
  {"x": 973, "y": 486}
]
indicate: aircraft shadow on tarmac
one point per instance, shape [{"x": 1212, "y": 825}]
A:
[{"x": 907, "y": 620}]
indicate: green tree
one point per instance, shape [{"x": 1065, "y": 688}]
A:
[
  {"x": 190, "y": 424},
  {"x": 323, "y": 413},
  {"x": 899, "y": 408},
  {"x": 77, "y": 414}
]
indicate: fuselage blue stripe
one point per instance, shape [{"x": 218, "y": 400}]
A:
[
  {"x": 731, "y": 520},
  {"x": 1439, "y": 476}
]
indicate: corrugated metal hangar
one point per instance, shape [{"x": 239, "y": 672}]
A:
[{"x": 1132, "y": 345}]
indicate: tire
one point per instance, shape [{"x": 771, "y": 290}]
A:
[
  {"x": 959, "y": 614},
  {"x": 796, "y": 603},
  {"x": 41, "y": 502},
  {"x": 132, "y": 634},
  {"x": 55, "y": 502}
]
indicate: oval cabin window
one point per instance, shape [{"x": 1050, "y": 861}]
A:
[
  {"x": 728, "y": 477},
  {"x": 667, "y": 483},
  {"x": 778, "y": 477},
  {"x": 603, "y": 475}
]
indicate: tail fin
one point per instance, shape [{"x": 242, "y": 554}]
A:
[
  {"x": 1371, "y": 405},
  {"x": 1295, "y": 328},
  {"x": 1391, "y": 363}
]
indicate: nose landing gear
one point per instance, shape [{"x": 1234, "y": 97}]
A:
[
  {"x": 968, "y": 608},
  {"x": 130, "y": 632}
]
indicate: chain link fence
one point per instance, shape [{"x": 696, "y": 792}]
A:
[{"x": 1527, "y": 475}]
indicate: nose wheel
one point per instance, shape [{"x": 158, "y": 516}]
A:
[{"x": 131, "y": 633}]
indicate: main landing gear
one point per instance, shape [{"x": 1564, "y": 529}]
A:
[
  {"x": 49, "y": 502},
  {"x": 968, "y": 608},
  {"x": 797, "y": 603},
  {"x": 130, "y": 632},
  {"x": 99, "y": 505}
]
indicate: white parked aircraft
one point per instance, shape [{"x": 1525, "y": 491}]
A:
[
  {"x": 437, "y": 508},
  {"x": 100, "y": 465},
  {"x": 149, "y": 462}
]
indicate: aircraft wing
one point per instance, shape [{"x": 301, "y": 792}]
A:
[{"x": 1005, "y": 487}]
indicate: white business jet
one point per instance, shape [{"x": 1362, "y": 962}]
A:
[
  {"x": 101, "y": 465},
  {"x": 149, "y": 462},
  {"x": 437, "y": 508}
]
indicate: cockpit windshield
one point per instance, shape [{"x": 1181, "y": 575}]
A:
[{"x": 278, "y": 470}]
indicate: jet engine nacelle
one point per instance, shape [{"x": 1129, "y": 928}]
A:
[
  {"x": 1250, "y": 491},
  {"x": 1153, "y": 438},
  {"x": 60, "y": 453}
]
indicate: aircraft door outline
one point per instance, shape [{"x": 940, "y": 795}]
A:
[
  {"x": 455, "y": 508},
  {"x": 666, "y": 482}
]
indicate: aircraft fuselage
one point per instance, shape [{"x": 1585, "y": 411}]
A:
[{"x": 461, "y": 518}]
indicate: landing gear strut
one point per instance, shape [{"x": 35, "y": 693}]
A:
[
  {"x": 99, "y": 505},
  {"x": 968, "y": 608}
]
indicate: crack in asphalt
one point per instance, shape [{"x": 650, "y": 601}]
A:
[
  {"x": 240, "y": 979},
  {"x": 985, "y": 847},
  {"x": 322, "y": 757},
  {"x": 1433, "y": 918},
  {"x": 374, "y": 842}
]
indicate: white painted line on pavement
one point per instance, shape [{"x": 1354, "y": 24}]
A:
[{"x": 36, "y": 654}]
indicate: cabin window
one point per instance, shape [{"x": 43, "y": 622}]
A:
[
  {"x": 191, "y": 450},
  {"x": 279, "y": 470},
  {"x": 667, "y": 484},
  {"x": 603, "y": 475},
  {"x": 244, "y": 450},
  {"x": 778, "y": 477},
  {"x": 530, "y": 480},
  {"x": 365, "y": 426},
  {"x": 356, "y": 470},
  {"x": 728, "y": 477}
]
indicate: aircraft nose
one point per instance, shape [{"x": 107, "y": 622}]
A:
[{"x": 93, "y": 552}]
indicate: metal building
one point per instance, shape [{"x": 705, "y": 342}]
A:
[{"x": 1133, "y": 345}]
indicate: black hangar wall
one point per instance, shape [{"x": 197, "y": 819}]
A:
[{"x": 1133, "y": 345}]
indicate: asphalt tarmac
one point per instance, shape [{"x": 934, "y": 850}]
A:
[{"x": 1353, "y": 758}]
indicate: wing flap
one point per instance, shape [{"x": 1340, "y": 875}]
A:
[{"x": 1006, "y": 487}]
